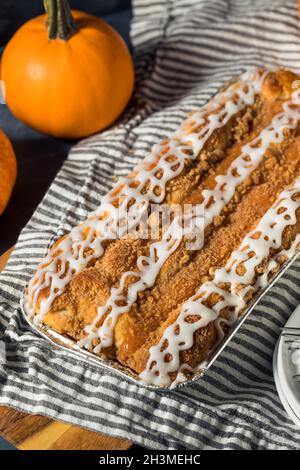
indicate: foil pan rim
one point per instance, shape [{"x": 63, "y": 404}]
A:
[{"x": 70, "y": 345}]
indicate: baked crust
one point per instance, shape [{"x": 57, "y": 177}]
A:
[{"x": 155, "y": 308}]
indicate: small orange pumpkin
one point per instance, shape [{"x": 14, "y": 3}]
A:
[
  {"x": 67, "y": 73},
  {"x": 8, "y": 170}
]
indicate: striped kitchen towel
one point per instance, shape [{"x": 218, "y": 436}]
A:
[{"x": 186, "y": 50}]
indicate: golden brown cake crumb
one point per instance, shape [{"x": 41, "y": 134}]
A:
[{"x": 157, "y": 307}]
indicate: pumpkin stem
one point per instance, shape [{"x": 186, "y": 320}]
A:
[{"x": 60, "y": 22}]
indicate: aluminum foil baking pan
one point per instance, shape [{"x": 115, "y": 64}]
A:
[{"x": 68, "y": 344}]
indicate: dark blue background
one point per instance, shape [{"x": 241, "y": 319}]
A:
[{"x": 39, "y": 156}]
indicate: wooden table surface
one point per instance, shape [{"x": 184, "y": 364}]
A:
[{"x": 33, "y": 432}]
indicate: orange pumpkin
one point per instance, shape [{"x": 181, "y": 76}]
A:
[
  {"x": 8, "y": 170},
  {"x": 67, "y": 73}
]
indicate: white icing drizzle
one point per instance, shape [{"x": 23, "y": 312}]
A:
[
  {"x": 213, "y": 203},
  {"x": 261, "y": 282},
  {"x": 254, "y": 249},
  {"x": 122, "y": 208},
  {"x": 119, "y": 301}
]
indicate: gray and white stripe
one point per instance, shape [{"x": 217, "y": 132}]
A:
[{"x": 186, "y": 50}]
